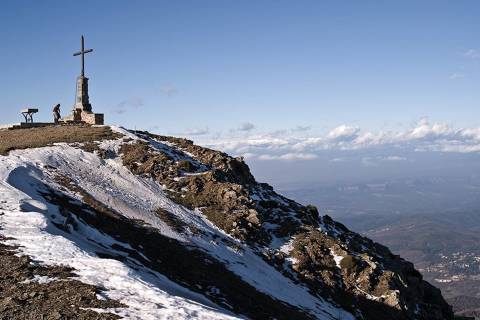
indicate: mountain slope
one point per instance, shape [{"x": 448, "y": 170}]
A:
[{"x": 170, "y": 229}]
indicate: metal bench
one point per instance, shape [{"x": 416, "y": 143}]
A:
[{"x": 28, "y": 114}]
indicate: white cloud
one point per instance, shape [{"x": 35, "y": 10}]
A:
[
  {"x": 298, "y": 156},
  {"x": 302, "y": 128},
  {"x": 425, "y": 130},
  {"x": 343, "y": 133},
  {"x": 196, "y": 131},
  {"x": 472, "y": 54},
  {"x": 132, "y": 103},
  {"x": 288, "y": 156},
  {"x": 375, "y": 161},
  {"x": 471, "y": 133},
  {"x": 456, "y": 76},
  {"x": 168, "y": 89},
  {"x": 393, "y": 158},
  {"x": 246, "y": 126}
]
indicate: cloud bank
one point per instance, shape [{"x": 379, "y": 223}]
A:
[{"x": 297, "y": 145}]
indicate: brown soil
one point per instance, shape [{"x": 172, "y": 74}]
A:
[
  {"x": 60, "y": 299},
  {"x": 41, "y": 137}
]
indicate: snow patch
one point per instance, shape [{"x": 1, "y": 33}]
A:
[
  {"x": 338, "y": 258},
  {"x": 40, "y": 279}
]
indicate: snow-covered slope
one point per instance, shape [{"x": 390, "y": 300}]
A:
[
  {"x": 142, "y": 239},
  {"x": 30, "y": 221}
]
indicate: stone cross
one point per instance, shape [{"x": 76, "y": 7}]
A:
[
  {"x": 81, "y": 97},
  {"x": 82, "y": 53}
]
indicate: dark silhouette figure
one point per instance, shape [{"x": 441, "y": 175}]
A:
[{"x": 56, "y": 113}]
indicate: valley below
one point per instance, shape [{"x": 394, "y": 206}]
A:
[{"x": 432, "y": 222}]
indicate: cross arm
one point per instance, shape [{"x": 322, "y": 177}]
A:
[{"x": 80, "y": 52}]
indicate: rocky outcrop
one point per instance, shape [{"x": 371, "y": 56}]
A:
[
  {"x": 335, "y": 263},
  {"x": 209, "y": 185}
]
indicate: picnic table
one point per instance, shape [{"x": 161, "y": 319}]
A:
[{"x": 28, "y": 114}]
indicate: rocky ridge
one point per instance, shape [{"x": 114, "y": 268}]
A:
[{"x": 335, "y": 263}]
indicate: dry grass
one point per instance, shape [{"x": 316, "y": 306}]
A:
[{"x": 41, "y": 137}]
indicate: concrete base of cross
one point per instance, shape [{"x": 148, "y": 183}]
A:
[{"x": 79, "y": 115}]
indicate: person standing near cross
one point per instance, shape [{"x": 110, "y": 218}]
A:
[{"x": 56, "y": 113}]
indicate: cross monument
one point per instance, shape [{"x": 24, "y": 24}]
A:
[
  {"x": 82, "y": 109},
  {"x": 81, "y": 99}
]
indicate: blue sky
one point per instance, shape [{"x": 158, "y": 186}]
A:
[{"x": 213, "y": 67}]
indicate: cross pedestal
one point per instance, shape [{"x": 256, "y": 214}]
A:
[{"x": 81, "y": 97}]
